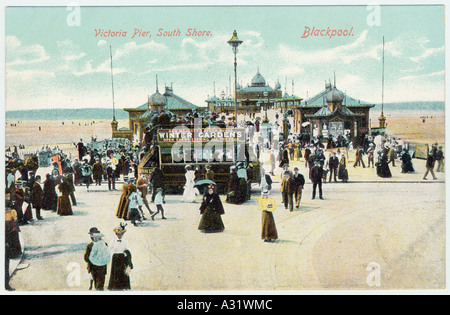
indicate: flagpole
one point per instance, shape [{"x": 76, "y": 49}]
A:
[
  {"x": 112, "y": 84},
  {"x": 382, "y": 84}
]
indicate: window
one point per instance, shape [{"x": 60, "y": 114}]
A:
[{"x": 364, "y": 122}]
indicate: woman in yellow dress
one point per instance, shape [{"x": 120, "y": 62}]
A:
[
  {"x": 267, "y": 206},
  {"x": 297, "y": 151}
]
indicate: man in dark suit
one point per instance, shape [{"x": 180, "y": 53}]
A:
[
  {"x": 287, "y": 190},
  {"x": 98, "y": 273},
  {"x": 81, "y": 149},
  {"x": 157, "y": 180},
  {"x": 333, "y": 164},
  {"x": 316, "y": 178},
  {"x": 299, "y": 182},
  {"x": 430, "y": 166}
]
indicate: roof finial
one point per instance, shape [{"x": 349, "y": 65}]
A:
[
  {"x": 157, "y": 83},
  {"x": 334, "y": 79}
]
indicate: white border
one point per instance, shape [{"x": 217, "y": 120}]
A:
[{"x": 17, "y": 3}]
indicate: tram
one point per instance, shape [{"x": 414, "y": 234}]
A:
[{"x": 218, "y": 148}]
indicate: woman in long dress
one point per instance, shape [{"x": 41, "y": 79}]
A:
[
  {"x": 233, "y": 187},
  {"x": 211, "y": 210},
  {"x": 123, "y": 202},
  {"x": 407, "y": 166},
  {"x": 189, "y": 189},
  {"x": 267, "y": 206},
  {"x": 12, "y": 230},
  {"x": 64, "y": 205},
  {"x": 383, "y": 169},
  {"x": 50, "y": 198},
  {"x": 126, "y": 210},
  {"x": 342, "y": 170},
  {"x": 121, "y": 261}
]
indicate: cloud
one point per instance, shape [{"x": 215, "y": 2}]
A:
[
  {"x": 131, "y": 48},
  {"x": 423, "y": 76},
  {"x": 291, "y": 71},
  {"x": 101, "y": 42},
  {"x": 18, "y": 54},
  {"x": 349, "y": 80},
  {"x": 344, "y": 53},
  {"x": 103, "y": 67},
  {"x": 29, "y": 74},
  {"x": 427, "y": 52},
  {"x": 74, "y": 57}
]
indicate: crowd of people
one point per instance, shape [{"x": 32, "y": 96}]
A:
[{"x": 109, "y": 161}]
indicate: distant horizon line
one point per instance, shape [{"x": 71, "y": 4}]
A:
[{"x": 106, "y": 108}]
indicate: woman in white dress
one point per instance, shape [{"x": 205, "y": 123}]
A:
[{"x": 189, "y": 189}]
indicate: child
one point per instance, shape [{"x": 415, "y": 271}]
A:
[
  {"x": 133, "y": 207},
  {"x": 159, "y": 200},
  {"x": 140, "y": 203}
]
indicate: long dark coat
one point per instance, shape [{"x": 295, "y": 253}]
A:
[
  {"x": 407, "y": 165},
  {"x": 97, "y": 171},
  {"x": 50, "y": 198},
  {"x": 211, "y": 210},
  {"x": 383, "y": 166},
  {"x": 157, "y": 178},
  {"x": 76, "y": 173},
  {"x": 64, "y": 206},
  {"x": 233, "y": 189},
  {"x": 37, "y": 195}
]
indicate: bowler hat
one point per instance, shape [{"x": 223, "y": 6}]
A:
[{"x": 93, "y": 230}]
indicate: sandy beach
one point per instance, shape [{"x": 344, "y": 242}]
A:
[
  {"x": 410, "y": 126},
  {"x": 34, "y": 134},
  {"x": 415, "y": 126}
]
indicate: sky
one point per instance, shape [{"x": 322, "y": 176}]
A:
[{"x": 56, "y": 57}]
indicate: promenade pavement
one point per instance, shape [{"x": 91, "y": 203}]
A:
[{"x": 368, "y": 234}]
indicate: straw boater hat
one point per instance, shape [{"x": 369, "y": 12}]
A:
[{"x": 120, "y": 229}]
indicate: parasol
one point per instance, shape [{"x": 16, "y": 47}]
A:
[{"x": 204, "y": 182}]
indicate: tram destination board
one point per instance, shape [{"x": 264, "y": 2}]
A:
[{"x": 205, "y": 134}]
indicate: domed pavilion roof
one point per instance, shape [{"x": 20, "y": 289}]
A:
[
  {"x": 258, "y": 80},
  {"x": 334, "y": 96},
  {"x": 157, "y": 99}
]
